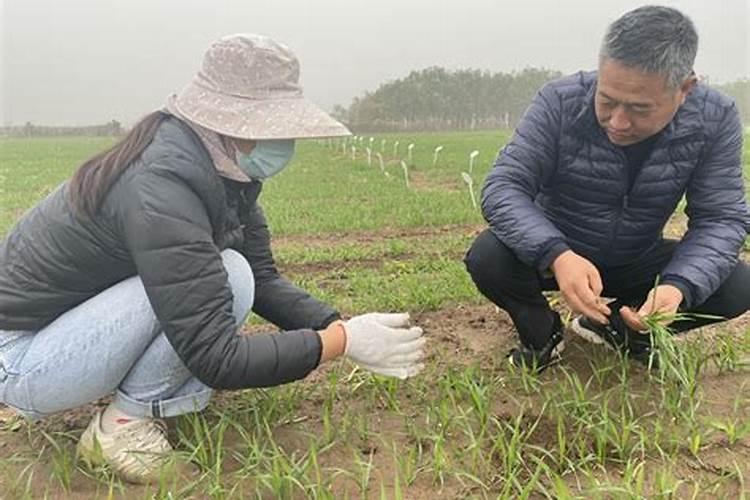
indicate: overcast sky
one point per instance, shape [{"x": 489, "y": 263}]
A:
[{"x": 90, "y": 61}]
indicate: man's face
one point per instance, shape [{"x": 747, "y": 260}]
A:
[{"x": 632, "y": 105}]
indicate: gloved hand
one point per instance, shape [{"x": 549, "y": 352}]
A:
[{"x": 384, "y": 344}]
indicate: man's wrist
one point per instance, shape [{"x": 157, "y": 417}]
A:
[
  {"x": 683, "y": 286},
  {"x": 550, "y": 256}
]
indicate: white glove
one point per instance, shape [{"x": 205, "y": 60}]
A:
[{"x": 383, "y": 344}]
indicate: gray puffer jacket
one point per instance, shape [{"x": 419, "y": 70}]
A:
[
  {"x": 166, "y": 219},
  {"x": 561, "y": 184}
]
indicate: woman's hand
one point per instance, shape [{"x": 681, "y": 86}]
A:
[{"x": 385, "y": 344}]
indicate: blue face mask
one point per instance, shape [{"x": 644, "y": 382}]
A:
[{"x": 268, "y": 158}]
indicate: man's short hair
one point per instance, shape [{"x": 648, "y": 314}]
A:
[{"x": 653, "y": 39}]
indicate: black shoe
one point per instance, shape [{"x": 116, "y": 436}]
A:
[
  {"x": 617, "y": 336},
  {"x": 537, "y": 360}
]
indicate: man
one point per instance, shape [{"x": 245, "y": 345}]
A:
[{"x": 579, "y": 198}]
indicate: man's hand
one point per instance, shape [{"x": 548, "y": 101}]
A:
[
  {"x": 664, "y": 299},
  {"x": 581, "y": 285}
]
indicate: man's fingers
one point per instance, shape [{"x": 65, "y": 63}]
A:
[
  {"x": 579, "y": 306},
  {"x": 595, "y": 283},
  {"x": 632, "y": 319},
  {"x": 596, "y": 316},
  {"x": 594, "y": 308},
  {"x": 603, "y": 307}
]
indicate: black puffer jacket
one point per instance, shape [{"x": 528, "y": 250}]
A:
[
  {"x": 167, "y": 218},
  {"x": 561, "y": 184}
]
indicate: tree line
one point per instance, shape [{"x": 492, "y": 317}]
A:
[
  {"x": 439, "y": 99},
  {"x": 112, "y": 128}
]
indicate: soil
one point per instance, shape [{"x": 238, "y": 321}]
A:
[
  {"x": 460, "y": 336},
  {"x": 425, "y": 181},
  {"x": 370, "y": 236}
]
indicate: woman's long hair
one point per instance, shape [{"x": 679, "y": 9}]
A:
[{"x": 95, "y": 177}]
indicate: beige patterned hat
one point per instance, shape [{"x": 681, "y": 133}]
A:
[{"x": 248, "y": 87}]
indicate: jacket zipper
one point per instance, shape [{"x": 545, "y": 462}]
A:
[{"x": 623, "y": 202}]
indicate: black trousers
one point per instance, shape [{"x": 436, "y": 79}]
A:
[{"x": 517, "y": 288}]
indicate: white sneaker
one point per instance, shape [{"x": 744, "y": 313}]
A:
[{"x": 136, "y": 451}]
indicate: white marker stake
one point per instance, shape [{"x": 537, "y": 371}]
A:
[
  {"x": 372, "y": 139},
  {"x": 382, "y": 146},
  {"x": 354, "y": 153},
  {"x": 380, "y": 159},
  {"x": 470, "y": 182},
  {"x": 435, "y": 156},
  {"x": 411, "y": 159},
  {"x": 395, "y": 148},
  {"x": 406, "y": 173},
  {"x": 473, "y": 155},
  {"x": 369, "y": 157}
]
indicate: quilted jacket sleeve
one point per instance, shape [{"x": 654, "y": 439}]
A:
[
  {"x": 514, "y": 182},
  {"x": 718, "y": 217},
  {"x": 169, "y": 235},
  {"x": 276, "y": 298}
]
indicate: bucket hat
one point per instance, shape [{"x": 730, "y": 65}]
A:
[{"x": 248, "y": 87}]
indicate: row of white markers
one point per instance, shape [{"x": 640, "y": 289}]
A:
[{"x": 350, "y": 145}]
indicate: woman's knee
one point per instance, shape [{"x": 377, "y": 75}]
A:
[{"x": 241, "y": 280}]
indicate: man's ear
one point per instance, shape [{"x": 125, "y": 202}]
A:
[{"x": 687, "y": 86}]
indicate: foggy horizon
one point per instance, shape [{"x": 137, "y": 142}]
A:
[{"x": 84, "y": 62}]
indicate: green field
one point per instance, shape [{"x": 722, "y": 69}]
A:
[{"x": 593, "y": 426}]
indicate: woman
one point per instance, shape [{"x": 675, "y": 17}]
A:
[{"x": 135, "y": 275}]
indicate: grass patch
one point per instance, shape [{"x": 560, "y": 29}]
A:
[{"x": 594, "y": 426}]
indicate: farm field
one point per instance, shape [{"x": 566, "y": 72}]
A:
[{"x": 390, "y": 236}]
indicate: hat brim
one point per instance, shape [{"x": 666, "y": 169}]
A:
[{"x": 286, "y": 118}]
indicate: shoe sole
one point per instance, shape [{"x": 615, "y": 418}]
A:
[
  {"x": 588, "y": 335},
  {"x": 554, "y": 356},
  {"x": 558, "y": 349},
  {"x": 592, "y": 337}
]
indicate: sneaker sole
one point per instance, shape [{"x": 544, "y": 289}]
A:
[
  {"x": 588, "y": 335},
  {"x": 558, "y": 349},
  {"x": 554, "y": 355}
]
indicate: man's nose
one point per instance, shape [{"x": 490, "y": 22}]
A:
[{"x": 619, "y": 119}]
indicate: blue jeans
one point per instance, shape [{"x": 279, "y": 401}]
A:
[{"x": 110, "y": 343}]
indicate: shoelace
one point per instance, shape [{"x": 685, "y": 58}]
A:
[{"x": 149, "y": 432}]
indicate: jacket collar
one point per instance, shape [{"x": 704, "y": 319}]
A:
[{"x": 687, "y": 121}]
